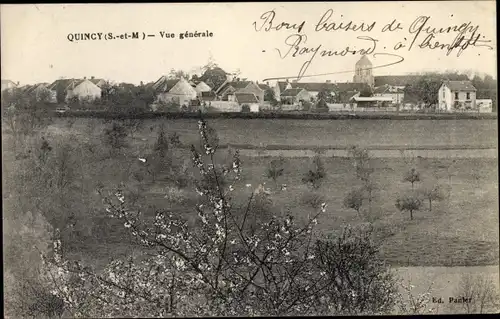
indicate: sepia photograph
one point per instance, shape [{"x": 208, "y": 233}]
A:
[{"x": 249, "y": 159}]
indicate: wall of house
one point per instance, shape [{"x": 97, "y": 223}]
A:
[
  {"x": 254, "y": 107},
  {"x": 277, "y": 92},
  {"x": 462, "y": 98},
  {"x": 183, "y": 99},
  {"x": 445, "y": 99}
]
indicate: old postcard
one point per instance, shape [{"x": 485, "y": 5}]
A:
[{"x": 250, "y": 159}]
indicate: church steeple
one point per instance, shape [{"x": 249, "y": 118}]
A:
[{"x": 363, "y": 71}]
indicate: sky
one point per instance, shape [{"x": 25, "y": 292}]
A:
[{"x": 35, "y": 46}]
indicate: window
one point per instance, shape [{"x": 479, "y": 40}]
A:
[
  {"x": 456, "y": 95},
  {"x": 468, "y": 96},
  {"x": 444, "y": 94}
]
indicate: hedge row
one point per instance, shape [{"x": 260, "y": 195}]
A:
[{"x": 276, "y": 115}]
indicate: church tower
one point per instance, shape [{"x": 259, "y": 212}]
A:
[{"x": 363, "y": 71}]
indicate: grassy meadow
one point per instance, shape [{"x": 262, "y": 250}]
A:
[
  {"x": 460, "y": 230},
  {"x": 310, "y": 133}
]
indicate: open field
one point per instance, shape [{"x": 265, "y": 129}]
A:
[
  {"x": 322, "y": 133},
  {"x": 460, "y": 230}
]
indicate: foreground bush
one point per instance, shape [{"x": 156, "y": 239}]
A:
[{"x": 228, "y": 265}]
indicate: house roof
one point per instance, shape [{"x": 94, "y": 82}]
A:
[
  {"x": 202, "y": 87},
  {"x": 164, "y": 84},
  {"x": 351, "y": 86},
  {"x": 292, "y": 92},
  {"x": 30, "y": 88},
  {"x": 245, "y": 97},
  {"x": 364, "y": 61},
  {"x": 63, "y": 84},
  {"x": 314, "y": 87},
  {"x": 460, "y": 86}
]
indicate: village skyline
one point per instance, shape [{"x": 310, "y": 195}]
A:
[{"x": 36, "y": 49}]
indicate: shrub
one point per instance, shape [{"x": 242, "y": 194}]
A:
[
  {"x": 408, "y": 202},
  {"x": 433, "y": 193},
  {"x": 367, "y": 288},
  {"x": 316, "y": 174},
  {"x": 354, "y": 200},
  {"x": 27, "y": 294},
  {"x": 321, "y": 106},
  {"x": 275, "y": 169},
  {"x": 412, "y": 176},
  {"x": 306, "y": 106},
  {"x": 115, "y": 136},
  {"x": 174, "y": 139},
  {"x": 161, "y": 144}
]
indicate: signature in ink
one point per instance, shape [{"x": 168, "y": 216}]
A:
[
  {"x": 467, "y": 36},
  {"x": 296, "y": 48}
]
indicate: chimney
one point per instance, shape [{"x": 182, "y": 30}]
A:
[
  {"x": 84, "y": 77},
  {"x": 17, "y": 82},
  {"x": 267, "y": 83},
  {"x": 142, "y": 83},
  {"x": 92, "y": 77}
]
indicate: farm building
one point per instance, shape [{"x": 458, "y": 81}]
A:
[
  {"x": 181, "y": 93},
  {"x": 295, "y": 96},
  {"x": 228, "y": 90},
  {"x": 457, "y": 95},
  {"x": 249, "y": 99},
  {"x": 84, "y": 90},
  {"x": 63, "y": 90}
]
